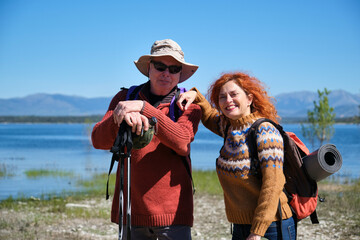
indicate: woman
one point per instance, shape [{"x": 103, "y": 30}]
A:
[{"x": 251, "y": 202}]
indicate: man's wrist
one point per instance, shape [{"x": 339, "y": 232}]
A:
[{"x": 143, "y": 106}]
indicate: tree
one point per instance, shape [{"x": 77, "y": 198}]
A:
[{"x": 320, "y": 121}]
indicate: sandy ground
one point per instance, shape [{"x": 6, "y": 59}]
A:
[{"x": 210, "y": 223}]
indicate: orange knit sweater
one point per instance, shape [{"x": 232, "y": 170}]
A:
[{"x": 248, "y": 199}]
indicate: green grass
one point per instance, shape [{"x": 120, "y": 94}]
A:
[
  {"x": 3, "y": 170},
  {"x": 97, "y": 184},
  {"x": 207, "y": 182},
  {"x": 6, "y": 171},
  {"x": 35, "y": 173},
  {"x": 342, "y": 201},
  {"x": 56, "y": 205}
]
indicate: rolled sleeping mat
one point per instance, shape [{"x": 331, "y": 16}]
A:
[{"x": 323, "y": 162}]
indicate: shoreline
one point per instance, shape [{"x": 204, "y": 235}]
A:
[
  {"x": 87, "y": 215},
  {"x": 80, "y": 185}
]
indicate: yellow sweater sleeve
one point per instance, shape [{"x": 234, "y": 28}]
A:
[
  {"x": 271, "y": 157},
  {"x": 211, "y": 118}
]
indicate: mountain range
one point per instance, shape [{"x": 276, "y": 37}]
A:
[{"x": 292, "y": 104}]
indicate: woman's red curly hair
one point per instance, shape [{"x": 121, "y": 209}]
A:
[{"x": 262, "y": 103}]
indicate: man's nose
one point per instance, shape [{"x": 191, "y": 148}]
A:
[{"x": 166, "y": 72}]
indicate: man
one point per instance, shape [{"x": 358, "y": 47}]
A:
[{"x": 161, "y": 188}]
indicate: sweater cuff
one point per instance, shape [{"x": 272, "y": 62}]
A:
[
  {"x": 259, "y": 228},
  {"x": 147, "y": 110},
  {"x": 199, "y": 96},
  {"x": 143, "y": 106}
]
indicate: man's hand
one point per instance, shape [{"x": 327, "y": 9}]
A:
[
  {"x": 125, "y": 107},
  {"x": 187, "y": 97},
  {"x": 137, "y": 121}
]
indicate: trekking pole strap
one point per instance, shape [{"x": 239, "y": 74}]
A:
[{"x": 113, "y": 159}]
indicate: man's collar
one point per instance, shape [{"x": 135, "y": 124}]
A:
[{"x": 165, "y": 99}]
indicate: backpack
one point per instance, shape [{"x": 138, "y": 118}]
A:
[{"x": 301, "y": 190}]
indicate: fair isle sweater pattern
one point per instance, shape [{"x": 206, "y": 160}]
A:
[
  {"x": 270, "y": 135},
  {"x": 235, "y": 157}
]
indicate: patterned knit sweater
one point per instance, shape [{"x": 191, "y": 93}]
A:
[{"x": 248, "y": 199}]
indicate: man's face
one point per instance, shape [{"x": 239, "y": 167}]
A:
[{"x": 161, "y": 82}]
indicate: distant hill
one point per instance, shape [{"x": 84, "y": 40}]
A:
[
  {"x": 293, "y": 104},
  {"x": 53, "y": 105},
  {"x": 296, "y": 104}
]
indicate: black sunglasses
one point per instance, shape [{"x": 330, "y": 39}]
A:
[{"x": 173, "y": 69}]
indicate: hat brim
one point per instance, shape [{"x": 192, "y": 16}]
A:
[{"x": 187, "y": 69}]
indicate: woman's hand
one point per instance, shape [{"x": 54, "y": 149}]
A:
[
  {"x": 125, "y": 107},
  {"x": 187, "y": 97},
  {"x": 253, "y": 236}
]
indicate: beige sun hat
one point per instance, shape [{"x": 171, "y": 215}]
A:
[{"x": 170, "y": 48}]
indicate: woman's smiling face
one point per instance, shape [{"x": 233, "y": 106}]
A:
[{"x": 233, "y": 101}]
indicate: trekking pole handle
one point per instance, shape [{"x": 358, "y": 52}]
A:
[{"x": 152, "y": 121}]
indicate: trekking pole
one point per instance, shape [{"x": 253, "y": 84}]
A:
[
  {"x": 122, "y": 149},
  {"x": 121, "y": 199},
  {"x": 128, "y": 203},
  {"x": 124, "y": 144}
]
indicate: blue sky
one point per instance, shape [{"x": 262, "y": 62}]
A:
[{"x": 87, "y": 48}]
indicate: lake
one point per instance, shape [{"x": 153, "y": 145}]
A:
[{"x": 67, "y": 147}]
